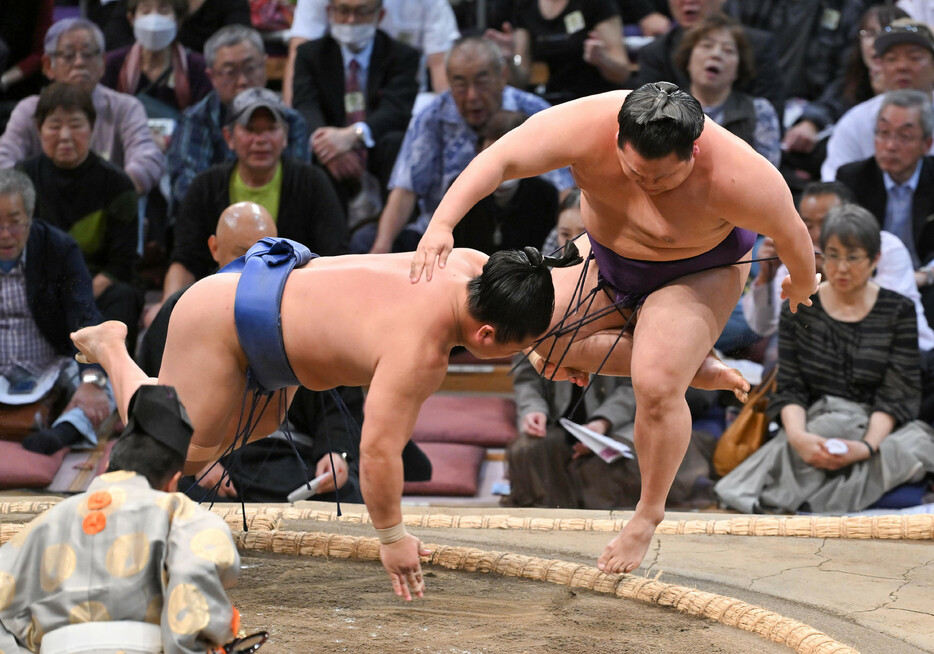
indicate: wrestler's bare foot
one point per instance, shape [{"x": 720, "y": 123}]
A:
[
  {"x": 92, "y": 341},
  {"x": 714, "y": 375},
  {"x": 625, "y": 552}
]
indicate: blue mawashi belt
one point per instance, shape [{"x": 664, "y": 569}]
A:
[{"x": 263, "y": 272}]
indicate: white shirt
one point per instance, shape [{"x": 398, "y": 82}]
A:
[
  {"x": 762, "y": 304},
  {"x": 853, "y": 137},
  {"x": 427, "y": 25}
]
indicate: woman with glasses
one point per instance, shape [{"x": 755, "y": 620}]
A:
[{"x": 848, "y": 390}]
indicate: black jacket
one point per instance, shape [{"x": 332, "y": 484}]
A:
[
  {"x": 309, "y": 212},
  {"x": 391, "y": 84},
  {"x": 58, "y": 286},
  {"x": 865, "y": 179}
]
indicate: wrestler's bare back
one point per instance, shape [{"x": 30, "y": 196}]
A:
[{"x": 342, "y": 315}]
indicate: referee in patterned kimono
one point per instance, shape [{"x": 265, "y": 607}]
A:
[{"x": 131, "y": 565}]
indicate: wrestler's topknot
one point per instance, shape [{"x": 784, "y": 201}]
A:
[
  {"x": 534, "y": 256},
  {"x": 659, "y": 119}
]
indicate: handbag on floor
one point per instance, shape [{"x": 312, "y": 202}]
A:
[{"x": 747, "y": 433}]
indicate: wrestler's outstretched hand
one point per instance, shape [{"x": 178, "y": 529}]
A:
[
  {"x": 91, "y": 340},
  {"x": 436, "y": 244},
  {"x": 798, "y": 294},
  {"x": 401, "y": 562}
]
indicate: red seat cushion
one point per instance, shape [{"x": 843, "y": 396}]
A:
[
  {"x": 455, "y": 469},
  {"x": 21, "y": 468},
  {"x": 488, "y": 421}
]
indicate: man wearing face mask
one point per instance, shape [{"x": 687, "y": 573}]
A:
[
  {"x": 355, "y": 88},
  {"x": 166, "y": 76}
]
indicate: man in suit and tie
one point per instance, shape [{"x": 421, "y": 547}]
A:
[
  {"x": 355, "y": 87},
  {"x": 897, "y": 183}
]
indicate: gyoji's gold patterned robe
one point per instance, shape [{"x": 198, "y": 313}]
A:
[{"x": 121, "y": 551}]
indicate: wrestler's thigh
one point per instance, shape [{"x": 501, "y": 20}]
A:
[
  {"x": 679, "y": 323},
  {"x": 203, "y": 359}
]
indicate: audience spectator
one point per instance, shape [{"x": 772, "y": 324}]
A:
[
  {"x": 863, "y": 75},
  {"x": 906, "y": 51},
  {"x": 74, "y": 55},
  {"x": 717, "y": 57},
  {"x": 87, "y": 197},
  {"x": 157, "y": 69},
  {"x": 652, "y": 16},
  {"x": 848, "y": 390},
  {"x": 581, "y": 42},
  {"x": 656, "y": 60},
  {"x": 442, "y": 139},
  {"x": 355, "y": 87},
  {"x": 204, "y": 18},
  {"x": 538, "y": 459},
  {"x": 23, "y": 24},
  {"x": 762, "y": 303},
  {"x": 47, "y": 295},
  {"x": 429, "y": 26},
  {"x": 236, "y": 61},
  {"x": 861, "y": 78},
  {"x": 810, "y": 38},
  {"x": 520, "y": 212},
  {"x": 269, "y": 469},
  {"x": 896, "y": 184},
  {"x": 299, "y": 196}
]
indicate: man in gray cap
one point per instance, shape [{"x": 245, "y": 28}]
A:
[
  {"x": 164, "y": 561},
  {"x": 298, "y": 196}
]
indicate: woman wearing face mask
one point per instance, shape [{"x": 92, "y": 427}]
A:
[{"x": 166, "y": 76}]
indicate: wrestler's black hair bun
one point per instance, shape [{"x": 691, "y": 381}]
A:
[
  {"x": 570, "y": 256},
  {"x": 533, "y": 255}
]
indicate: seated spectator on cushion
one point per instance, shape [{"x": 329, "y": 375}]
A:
[
  {"x": 848, "y": 390},
  {"x": 86, "y": 196},
  {"x": 47, "y": 295}
]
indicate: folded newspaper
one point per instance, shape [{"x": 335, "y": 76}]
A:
[{"x": 603, "y": 446}]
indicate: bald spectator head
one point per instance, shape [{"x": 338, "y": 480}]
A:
[{"x": 238, "y": 229}]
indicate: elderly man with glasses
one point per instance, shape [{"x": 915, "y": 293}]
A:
[
  {"x": 236, "y": 61},
  {"x": 46, "y": 293},
  {"x": 74, "y": 55}
]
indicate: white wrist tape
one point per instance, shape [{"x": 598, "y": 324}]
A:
[{"x": 391, "y": 534}]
